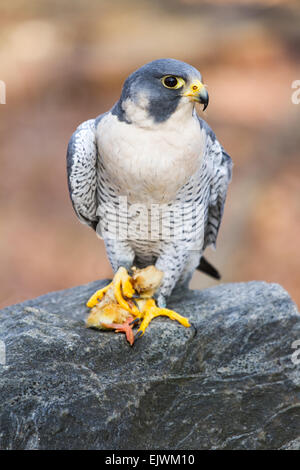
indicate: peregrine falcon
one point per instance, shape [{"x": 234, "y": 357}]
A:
[{"x": 150, "y": 177}]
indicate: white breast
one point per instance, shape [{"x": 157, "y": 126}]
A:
[{"x": 150, "y": 164}]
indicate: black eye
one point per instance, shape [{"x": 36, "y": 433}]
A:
[{"x": 170, "y": 82}]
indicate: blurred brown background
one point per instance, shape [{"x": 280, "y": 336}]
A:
[{"x": 65, "y": 61}]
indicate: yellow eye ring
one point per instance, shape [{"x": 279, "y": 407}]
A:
[{"x": 172, "y": 82}]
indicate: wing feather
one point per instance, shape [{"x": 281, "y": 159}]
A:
[
  {"x": 82, "y": 172},
  {"x": 220, "y": 165}
]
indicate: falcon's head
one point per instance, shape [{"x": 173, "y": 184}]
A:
[{"x": 156, "y": 90}]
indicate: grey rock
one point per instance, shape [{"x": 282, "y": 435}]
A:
[{"x": 228, "y": 382}]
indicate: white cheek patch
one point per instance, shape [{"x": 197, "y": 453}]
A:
[
  {"x": 137, "y": 113},
  {"x": 143, "y": 101}
]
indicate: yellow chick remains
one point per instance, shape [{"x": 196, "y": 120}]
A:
[{"x": 127, "y": 300}]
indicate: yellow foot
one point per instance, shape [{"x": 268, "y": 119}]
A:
[
  {"x": 95, "y": 298},
  {"x": 150, "y": 311},
  {"x": 122, "y": 287}
]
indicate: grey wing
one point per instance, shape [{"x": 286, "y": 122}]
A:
[
  {"x": 220, "y": 167},
  {"x": 82, "y": 172}
]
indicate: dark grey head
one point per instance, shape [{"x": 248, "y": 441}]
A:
[{"x": 158, "y": 87}]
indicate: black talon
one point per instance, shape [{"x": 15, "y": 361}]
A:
[
  {"x": 138, "y": 335},
  {"x": 135, "y": 321},
  {"x": 194, "y": 328},
  {"x": 136, "y": 296},
  {"x": 135, "y": 303}
]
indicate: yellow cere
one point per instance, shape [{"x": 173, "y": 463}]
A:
[{"x": 194, "y": 88}]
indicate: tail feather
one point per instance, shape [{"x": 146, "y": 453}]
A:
[{"x": 208, "y": 268}]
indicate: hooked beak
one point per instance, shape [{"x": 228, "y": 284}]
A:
[{"x": 197, "y": 92}]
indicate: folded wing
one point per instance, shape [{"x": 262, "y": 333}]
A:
[{"x": 82, "y": 173}]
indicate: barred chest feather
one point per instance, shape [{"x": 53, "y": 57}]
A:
[{"x": 150, "y": 164}]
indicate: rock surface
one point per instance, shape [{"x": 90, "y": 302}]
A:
[{"x": 229, "y": 382}]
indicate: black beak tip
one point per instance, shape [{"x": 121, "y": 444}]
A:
[
  {"x": 205, "y": 102},
  {"x": 204, "y": 98}
]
